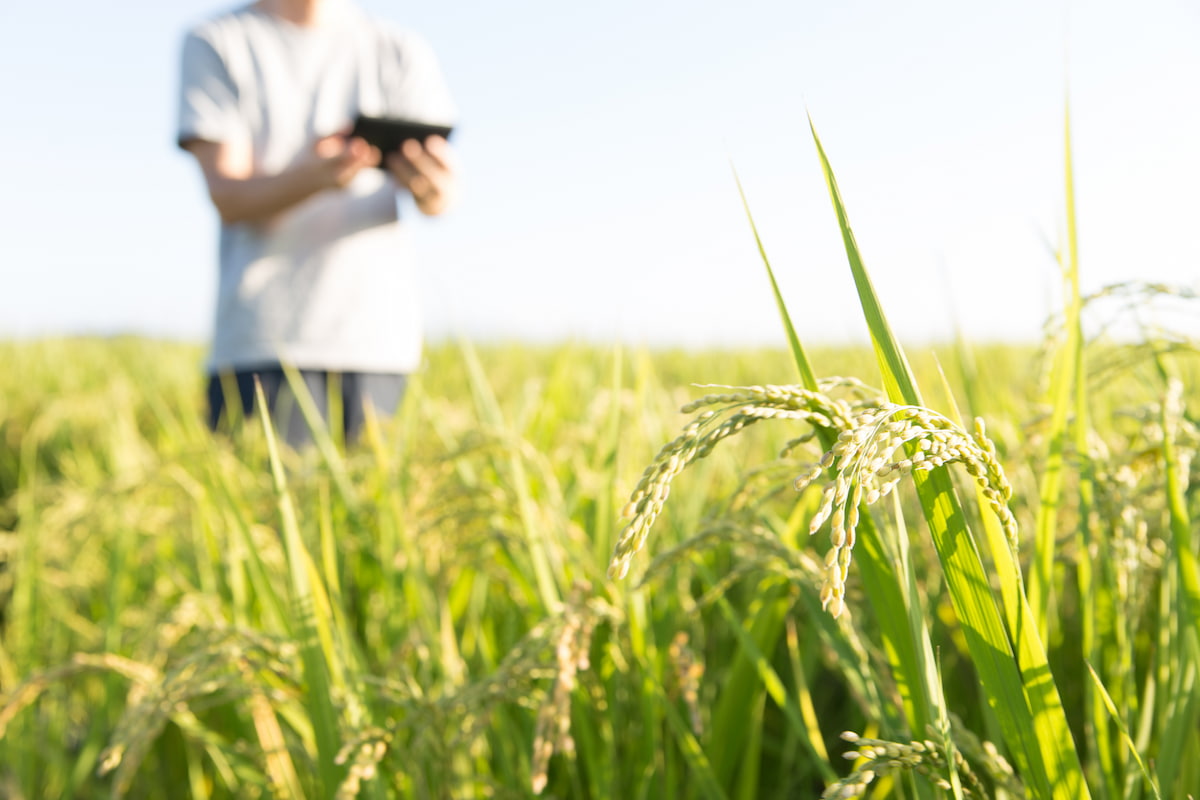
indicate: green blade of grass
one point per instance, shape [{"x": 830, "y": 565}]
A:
[
  {"x": 1067, "y": 372},
  {"x": 248, "y": 576},
  {"x": 804, "y": 696},
  {"x": 897, "y": 377},
  {"x": 807, "y": 376},
  {"x": 767, "y": 675},
  {"x": 1095, "y": 604},
  {"x": 316, "y": 639},
  {"x": 1181, "y": 526},
  {"x": 322, "y": 434},
  {"x": 545, "y": 560},
  {"x": 744, "y": 682},
  {"x": 701, "y": 770},
  {"x": 997, "y": 542},
  {"x": 1025, "y": 698},
  {"x": 1182, "y": 708},
  {"x": 1116, "y": 717},
  {"x": 1041, "y": 578}
]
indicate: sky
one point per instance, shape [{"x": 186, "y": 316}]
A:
[{"x": 598, "y": 144}]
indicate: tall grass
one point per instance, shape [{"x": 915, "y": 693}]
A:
[{"x": 1015, "y": 603}]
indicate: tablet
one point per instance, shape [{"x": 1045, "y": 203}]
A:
[{"x": 388, "y": 133}]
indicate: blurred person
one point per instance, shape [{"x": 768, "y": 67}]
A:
[{"x": 315, "y": 270}]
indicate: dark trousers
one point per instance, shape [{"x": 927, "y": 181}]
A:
[{"x": 355, "y": 390}]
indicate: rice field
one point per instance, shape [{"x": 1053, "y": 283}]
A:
[{"x": 965, "y": 572}]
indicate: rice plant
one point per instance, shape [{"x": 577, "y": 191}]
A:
[{"x": 1066, "y": 737}]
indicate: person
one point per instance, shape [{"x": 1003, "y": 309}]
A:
[{"x": 315, "y": 269}]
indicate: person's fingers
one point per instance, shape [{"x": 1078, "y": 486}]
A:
[
  {"x": 401, "y": 168},
  {"x": 361, "y": 157},
  {"x": 412, "y": 150},
  {"x": 409, "y": 175},
  {"x": 439, "y": 150},
  {"x": 426, "y": 161},
  {"x": 329, "y": 146},
  {"x": 420, "y": 186},
  {"x": 425, "y": 170},
  {"x": 358, "y": 149}
]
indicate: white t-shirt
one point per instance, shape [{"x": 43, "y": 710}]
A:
[{"x": 328, "y": 284}]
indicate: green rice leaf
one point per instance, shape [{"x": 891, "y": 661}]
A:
[
  {"x": 1022, "y": 692},
  {"x": 311, "y": 608},
  {"x": 807, "y": 376},
  {"x": 1181, "y": 526},
  {"x": 1116, "y": 717}
]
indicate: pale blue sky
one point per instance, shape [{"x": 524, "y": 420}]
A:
[{"x": 596, "y": 142}]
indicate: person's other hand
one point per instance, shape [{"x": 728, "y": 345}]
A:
[
  {"x": 336, "y": 160},
  {"x": 427, "y": 171}
]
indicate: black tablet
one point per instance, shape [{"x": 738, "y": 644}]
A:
[{"x": 388, "y": 133}]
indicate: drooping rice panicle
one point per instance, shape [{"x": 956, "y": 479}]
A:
[
  {"x": 882, "y": 757},
  {"x": 878, "y": 444},
  {"x": 724, "y": 415}
]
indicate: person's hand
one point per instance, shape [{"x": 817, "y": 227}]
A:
[
  {"x": 427, "y": 171},
  {"x": 336, "y": 160}
]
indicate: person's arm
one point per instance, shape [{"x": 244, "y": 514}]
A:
[
  {"x": 429, "y": 172},
  {"x": 241, "y": 196}
]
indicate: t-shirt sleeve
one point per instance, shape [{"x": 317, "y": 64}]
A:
[
  {"x": 208, "y": 98},
  {"x": 415, "y": 88}
]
